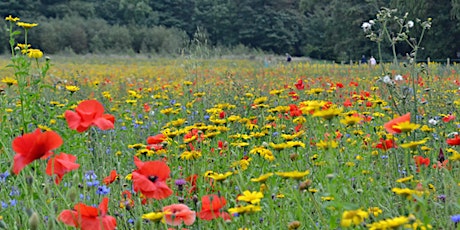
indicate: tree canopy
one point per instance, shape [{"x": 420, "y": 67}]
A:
[{"x": 319, "y": 29}]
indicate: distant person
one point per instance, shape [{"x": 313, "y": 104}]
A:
[
  {"x": 363, "y": 60},
  {"x": 372, "y": 61},
  {"x": 288, "y": 58}
]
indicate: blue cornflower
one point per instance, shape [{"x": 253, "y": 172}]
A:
[
  {"x": 13, "y": 202},
  {"x": 102, "y": 190},
  {"x": 93, "y": 183},
  {"x": 455, "y": 218},
  {"x": 4, "y": 205},
  {"x": 4, "y": 175},
  {"x": 82, "y": 197},
  {"x": 206, "y": 117},
  {"x": 90, "y": 175},
  {"x": 14, "y": 191}
]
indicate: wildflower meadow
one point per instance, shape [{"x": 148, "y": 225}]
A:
[{"x": 188, "y": 143}]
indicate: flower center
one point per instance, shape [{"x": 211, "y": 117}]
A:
[{"x": 153, "y": 178}]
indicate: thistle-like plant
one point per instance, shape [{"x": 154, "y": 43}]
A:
[{"x": 389, "y": 27}]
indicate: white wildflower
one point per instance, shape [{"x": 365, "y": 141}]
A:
[
  {"x": 410, "y": 24},
  {"x": 366, "y": 26},
  {"x": 433, "y": 121},
  {"x": 387, "y": 79},
  {"x": 398, "y": 77}
]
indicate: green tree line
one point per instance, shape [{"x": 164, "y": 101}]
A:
[{"x": 318, "y": 29}]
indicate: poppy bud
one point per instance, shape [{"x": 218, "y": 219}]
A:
[
  {"x": 304, "y": 185},
  {"x": 34, "y": 221},
  {"x": 294, "y": 225},
  {"x": 293, "y": 156},
  {"x": 72, "y": 194}
]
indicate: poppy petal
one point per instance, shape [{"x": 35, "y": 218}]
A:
[{"x": 103, "y": 123}]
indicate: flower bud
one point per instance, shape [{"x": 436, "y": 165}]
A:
[{"x": 33, "y": 221}]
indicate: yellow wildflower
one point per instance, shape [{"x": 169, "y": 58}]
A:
[
  {"x": 389, "y": 223},
  {"x": 262, "y": 178},
  {"x": 153, "y": 216},
  {"x": 26, "y": 25},
  {"x": 294, "y": 174},
  {"x": 251, "y": 197},
  {"x": 353, "y": 217},
  {"x": 12, "y": 19}
]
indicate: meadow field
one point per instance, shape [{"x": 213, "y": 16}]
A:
[
  {"x": 227, "y": 144},
  {"x": 131, "y": 142}
]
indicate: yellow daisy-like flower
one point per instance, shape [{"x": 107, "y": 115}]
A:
[
  {"x": 239, "y": 144},
  {"x": 276, "y": 91},
  {"x": 9, "y": 81},
  {"x": 294, "y": 174},
  {"x": 190, "y": 155},
  {"x": 129, "y": 177},
  {"x": 153, "y": 216},
  {"x": 375, "y": 211},
  {"x": 178, "y": 122},
  {"x": 245, "y": 209},
  {"x": 251, "y": 197},
  {"x": 260, "y": 100},
  {"x": 279, "y": 146},
  {"x": 328, "y": 114},
  {"x": 327, "y": 144},
  {"x": 34, "y": 53},
  {"x": 262, "y": 178},
  {"x": 406, "y": 192},
  {"x": 351, "y": 120},
  {"x": 199, "y": 94},
  {"x": 295, "y": 144},
  {"x": 353, "y": 217},
  {"x": 455, "y": 156},
  {"x": 413, "y": 144},
  {"x": 219, "y": 176},
  {"x": 315, "y": 91},
  {"x": 72, "y": 88},
  {"x": 26, "y": 25},
  {"x": 12, "y": 19},
  {"x": 389, "y": 223},
  {"x": 299, "y": 120},
  {"x": 243, "y": 164},
  {"x": 136, "y": 146},
  {"x": 405, "y": 179},
  {"x": 406, "y": 126},
  {"x": 427, "y": 129},
  {"x": 263, "y": 152},
  {"x": 327, "y": 198}
]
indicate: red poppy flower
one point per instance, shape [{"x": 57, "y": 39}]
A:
[
  {"x": 175, "y": 214},
  {"x": 389, "y": 125},
  {"x": 60, "y": 165},
  {"x": 448, "y": 118},
  {"x": 385, "y": 144},
  {"x": 32, "y": 146},
  {"x": 419, "y": 160},
  {"x": 157, "y": 139},
  {"x": 211, "y": 207},
  {"x": 192, "y": 179},
  {"x": 88, "y": 113},
  {"x": 454, "y": 141},
  {"x": 150, "y": 179},
  {"x": 89, "y": 218},
  {"x": 299, "y": 85},
  {"x": 294, "y": 111},
  {"x": 111, "y": 178},
  {"x": 347, "y": 103}
]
